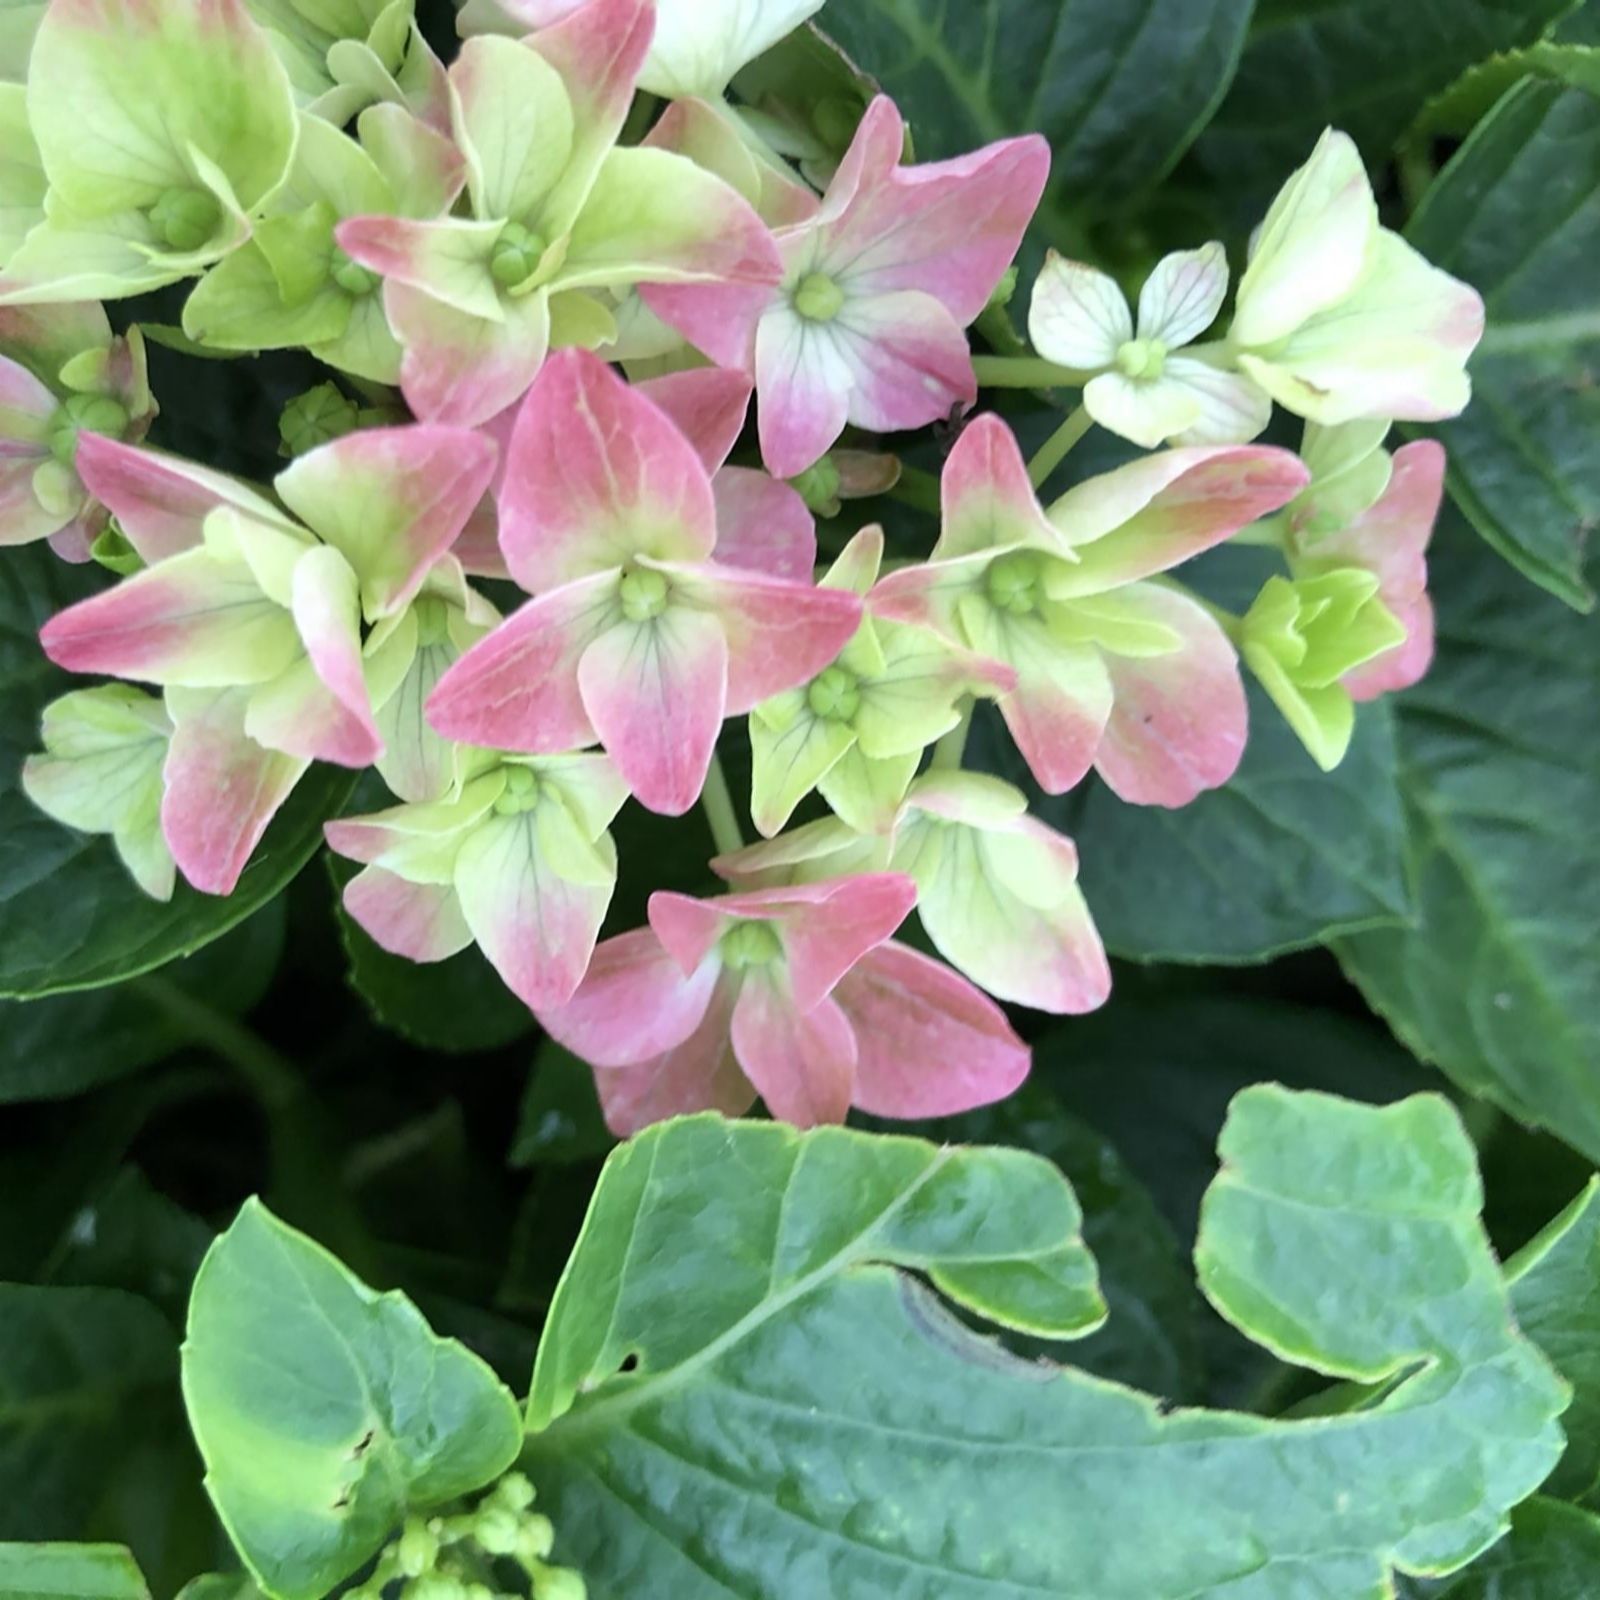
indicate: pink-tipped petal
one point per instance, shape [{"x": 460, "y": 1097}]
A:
[
  {"x": 986, "y": 498},
  {"x": 1391, "y": 540},
  {"x": 463, "y": 369},
  {"x": 707, "y": 405},
  {"x": 688, "y": 929},
  {"x": 634, "y": 1004},
  {"x": 803, "y": 1063},
  {"x": 947, "y": 229},
  {"x": 392, "y": 501},
  {"x": 26, "y": 409},
  {"x": 1156, "y": 512},
  {"x": 517, "y": 689},
  {"x": 160, "y": 502},
  {"x": 222, "y": 788},
  {"x": 929, "y": 1043},
  {"x": 779, "y": 634},
  {"x": 804, "y": 381},
  {"x": 701, "y": 1074},
  {"x": 1179, "y": 722},
  {"x": 420, "y": 921},
  {"x": 908, "y": 359},
  {"x": 193, "y": 619},
  {"x": 656, "y": 694},
  {"x": 445, "y": 258},
  {"x": 597, "y": 475},
  {"x": 718, "y": 319},
  {"x": 763, "y": 525},
  {"x": 825, "y": 935},
  {"x": 1059, "y": 709}
]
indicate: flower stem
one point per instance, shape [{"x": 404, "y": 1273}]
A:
[
  {"x": 917, "y": 488},
  {"x": 717, "y": 801},
  {"x": 1025, "y": 372},
  {"x": 952, "y": 747},
  {"x": 1055, "y": 448},
  {"x": 269, "y": 1076}
]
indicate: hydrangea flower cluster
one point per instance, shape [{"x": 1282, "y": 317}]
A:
[{"x": 559, "y": 272}]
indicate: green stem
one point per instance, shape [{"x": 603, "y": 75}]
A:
[
  {"x": 1055, "y": 448},
  {"x": 952, "y": 747},
  {"x": 1270, "y": 532},
  {"x": 917, "y": 488},
  {"x": 270, "y": 1077},
  {"x": 717, "y": 801},
  {"x": 1026, "y": 372},
  {"x": 1230, "y": 623}
]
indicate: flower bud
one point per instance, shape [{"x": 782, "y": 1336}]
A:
[
  {"x": 558, "y": 1583},
  {"x": 750, "y": 944},
  {"x": 418, "y": 1549},
  {"x": 835, "y": 119},
  {"x": 185, "y": 218},
  {"x": 93, "y": 413},
  {"x": 818, "y": 298},
  {"x": 113, "y": 552},
  {"x": 350, "y": 275},
  {"x": 316, "y": 417},
  {"x": 516, "y": 255},
  {"x": 818, "y": 486}
]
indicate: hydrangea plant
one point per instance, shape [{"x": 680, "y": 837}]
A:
[{"x": 784, "y": 551}]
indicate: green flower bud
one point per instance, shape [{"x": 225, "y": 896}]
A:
[
  {"x": 818, "y": 486},
  {"x": 355, "y": 279},
  {"x": 1142, "y": 358},
  {"x": 497, "y": 1528},
  {"x": 558, "y": 1583},
  {"x": 185, "y": 218},
  {"x": 520, "y": 794},
  {"x": 1012, "y": 583},
  {"x": 79, "y": 413},
  {"x": 537, "y": 1539},
  {"x": 1004, "y": 291},
  {"x": 516, "y": 255},
  {"x": 418, "y": 1549},
  {"x": 751, "y": 944},
  {"x": 835, "y": 120},
  {"x": 818, "y": 298},
  {"x": 315, "y": 417},
  {"x": 436, "y": 1585},
  {"x": 834, "y": 694},
  {"x": 514, "y": 1490},
  {"x": 643, "y": 593},
  {"x": 114, "y": 553}
]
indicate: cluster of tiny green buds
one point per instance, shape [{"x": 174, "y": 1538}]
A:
[
  {"x": 185, "y": 219},
  {"x": 316, "y": 417},
  {"x": 453, "y": 1557}
]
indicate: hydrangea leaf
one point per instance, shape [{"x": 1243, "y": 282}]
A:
[
  {"x": 74, "y": 919},
  {"x": 70, "y": 1572},
  {"x": 969, "y": 71},
  {"x": 1355, "y": 64},
  {"x": 777, "y": 1355},
  {"x": 1495, "y": 982},
  {"x": 323, "y": 1410},
  {"x": 1517, "y": 213}
]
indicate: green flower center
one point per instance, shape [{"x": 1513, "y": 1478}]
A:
[
  {"x": 819, "y": 298},
  {"x": 750, "y": 944},
  {"x": 834, "y": 694},
  {"x": 1142, "y": 358},
  {"x": 516, "y": 255},
  {"x": 92, "y": 413},
  {"x": 185, "y": 218},
  {"x": 355, "y": 279},
  {"x": 433, "y": 625},
  {"x": 643, "y": 594},
  {"x": 520, "y": 794},
  {"x": 316, "y": 417},
  {"x": 1013, "y": 583}
]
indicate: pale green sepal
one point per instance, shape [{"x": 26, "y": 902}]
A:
[
  {"x": 1116, "y": 624},
  {"x": 578, "y": 320},
  {"x": 858, "y": 564},
  {"x": 270, "y": 550},
  {"x": 589, "y": 786},
  {"x": 1323, "y": 720},
  {"x": 787, "y": 764},
  {"x": 238, "y": 306},
  {"x": 22, "y": 180},
  {"x": 366, "y": 349},
  {"x": 867, "y": 794},
  {"x": 101, "y": 772},
  {"x": 298, "y": 246}
]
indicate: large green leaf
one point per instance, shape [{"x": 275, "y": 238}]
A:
[
  {"x": 65, "y": 1044},
  {"x": 70, "y": 1572},
  {"x": 1555, "y": 1292},
  {"x": 1281, "y": 857},
  {"x": 1498, "y": 982},
  {"x": 1119, "y": 87},
  {"x": 70, "y": 917},
  {"x": 1551, "y": 1553},
  {"x": 738, "y": 1393},
  {"x": 1365, "y": 66},
  {"x": 1517, "y": 213},
  {"x": 80, "y": 1373},
  {"x": 324, "y": 1410}
]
